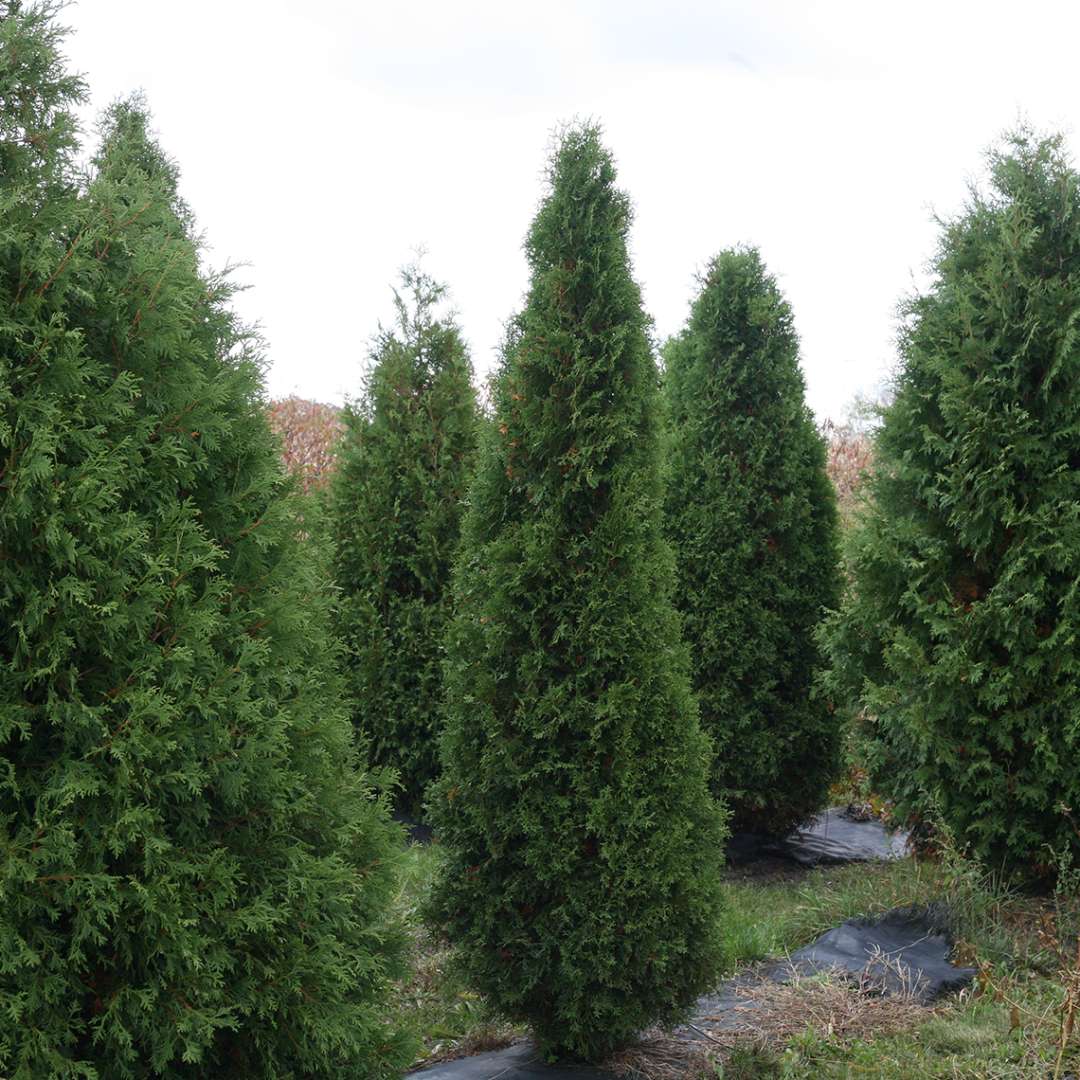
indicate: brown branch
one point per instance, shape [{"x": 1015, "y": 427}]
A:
[{"x": 63, "y": 262}]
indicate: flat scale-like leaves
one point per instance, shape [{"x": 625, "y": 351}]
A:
[
  {"x": 583, "y": 849},
  {"x": 958, "y": 637}
]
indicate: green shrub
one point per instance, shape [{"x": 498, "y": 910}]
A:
[
  {"x": 959, "y": 634},
  {"x": 581, "y": 884},
  {"x": 396, "y": 500},
  {"x": 194, "y": 876},
  {"x": 752, "y": 518}
]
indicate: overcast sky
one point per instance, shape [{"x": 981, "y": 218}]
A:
[{"x": 322, "y": 143}]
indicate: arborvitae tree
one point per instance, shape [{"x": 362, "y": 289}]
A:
[
  {"x": 751, "y": 515},
  {"x": 194, "y": 877},
  {"x": 396, "y": 500},
  {"x": 583, "y": 848},
  {"x": 959, "y": 634}
]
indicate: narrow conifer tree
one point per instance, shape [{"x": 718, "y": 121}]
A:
[
  {"x": 959, "y": 635},
  {"x": 195, "y": 876},
  {"x": 583, "y": 848},
  {"x": 396, "y": 499},
  {"x": 751, "y": 515}
]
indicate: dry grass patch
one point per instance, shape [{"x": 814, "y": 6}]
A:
[{"x": 831, "y": 1007}]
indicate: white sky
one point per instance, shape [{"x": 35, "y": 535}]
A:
[{"x": 323, "y": 142}]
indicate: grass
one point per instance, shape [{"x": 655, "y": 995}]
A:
[
  {"x": 1007, "y": 1026},
  {"x": 445, "y": 1017}
]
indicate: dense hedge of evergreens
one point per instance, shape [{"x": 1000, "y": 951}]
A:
[
  {"x": 208, "y": 679},
  {"x": 581, "y": 883},
  {"x": 751, "y": 514},
  {"x": 396, "y": 498},
  {"x": 194, "y": 874},
  {"x": 958, "y": 636}
]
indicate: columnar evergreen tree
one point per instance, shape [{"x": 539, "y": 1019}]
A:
[
  {"x": 194, "y": 876},
  {"x": 397, "y": 494},
  {"x": 959, "y": 635},
  {"x": 583, "y": 847},
  {"x": 751, "y": 515}
]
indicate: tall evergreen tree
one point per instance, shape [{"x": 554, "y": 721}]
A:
[
  {"x": 581, "y": 882},
  {"x": 397, "y": 494},
  {"x": 959, "y": 634},
  {"x": 751, "y": 515},
  {"x": 194, "y": 875}
]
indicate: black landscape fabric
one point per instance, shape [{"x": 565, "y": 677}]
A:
[
  {"x": 903, "y": 951},
  {"x": 832, "y": 837},
  {"x": 520, "y": 1062}
]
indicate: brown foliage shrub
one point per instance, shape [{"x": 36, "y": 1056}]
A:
[
  {"x": 309, "y": 431},
  {"x": 850, "y": 452}
]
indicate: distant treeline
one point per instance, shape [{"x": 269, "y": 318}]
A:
[{"x": 309, "y": 431}]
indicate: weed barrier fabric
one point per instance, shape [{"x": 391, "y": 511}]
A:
[
  {"x": 902, "y": 952},
  {"x": 833, "y": 837},
  {"x": 518, "y": 1062}
]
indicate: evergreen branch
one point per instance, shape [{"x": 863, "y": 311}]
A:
[{"x": 63, "y": 262}]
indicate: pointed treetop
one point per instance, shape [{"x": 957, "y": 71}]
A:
[{"x": 39, "y": 134}]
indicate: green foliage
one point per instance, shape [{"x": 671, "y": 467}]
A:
[
  {"x": 752, "y": 518},
  {"x": 194, "y": 875},
  {"x": 959, "y": 634},
  {"x": 582, "y": 877},
  {"x": 403, "y": 466}
]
